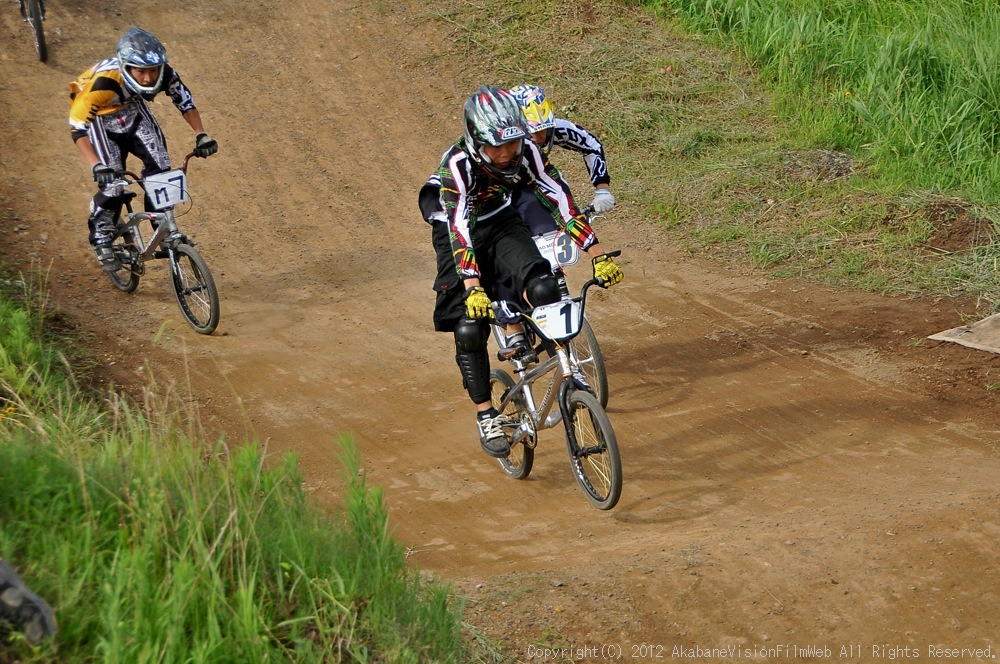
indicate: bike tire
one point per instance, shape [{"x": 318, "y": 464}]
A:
[
  {"x": 588, "y": 354},
  {"x": 125, "y": 278},
  {"x": 595, "y": 460},
  {"x": 33, "y": 15},
  {"x": 522, "y": 455},
  {"x": 194, "y": 289}
]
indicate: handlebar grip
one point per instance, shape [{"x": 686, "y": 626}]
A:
[{"x": 612, "y": 254}]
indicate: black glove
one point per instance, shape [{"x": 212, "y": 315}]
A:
[
  {"x": 103, "y": 174},
  {"x": 205, "y": 145}
]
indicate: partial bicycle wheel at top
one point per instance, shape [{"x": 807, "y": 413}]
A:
[
  {"x": 596, "y": 462},
  {"x": 33, "y": 14},
  {"x": 195, "y": 289}
]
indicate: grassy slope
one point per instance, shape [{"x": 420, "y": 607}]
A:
[
  {"x": 154, "y": 544},
  {"x": 697, "y": 137}
]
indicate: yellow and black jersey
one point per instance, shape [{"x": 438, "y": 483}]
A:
[{"x": 100, "y": 91}]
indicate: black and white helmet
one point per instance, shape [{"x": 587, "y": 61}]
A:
[
  {"x": 493, "y": 117},
  {"x": 138, "y": 48}
]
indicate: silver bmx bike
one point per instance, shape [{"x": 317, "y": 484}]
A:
[
  {"x": 565, "y": 397},
  {"x": 561, "y": 252},
  {"x": 190, "y": 278}
]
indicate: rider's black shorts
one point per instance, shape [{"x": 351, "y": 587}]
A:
[{"x": 505, "y": 252}]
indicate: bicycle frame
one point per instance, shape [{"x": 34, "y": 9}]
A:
[
  {"x": 563, "y": 365},
  {"x": 164, "y": 223}
]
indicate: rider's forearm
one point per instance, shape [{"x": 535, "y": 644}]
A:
[
  {"x": 86, "y": 149},
  {"x": 471, "y": 282},
  {"x": 193, "y": 118}
]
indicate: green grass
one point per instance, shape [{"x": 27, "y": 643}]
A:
[
  {"x": 913, "y": 86},
  {"x": 155, "y": 545},
  {"x": 815, "y": 139}
]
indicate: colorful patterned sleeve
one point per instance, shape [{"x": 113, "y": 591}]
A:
[
  {"x": 88, "y": 102},
  {"x": 455, "y": 179}
]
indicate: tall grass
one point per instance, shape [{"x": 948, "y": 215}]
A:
[
  {"x": 913, "y": 87},
  {"x": 825, "y": 154},
  {"x": 153, "y": 547}
]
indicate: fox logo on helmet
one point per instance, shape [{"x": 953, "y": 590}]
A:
[{"x": 510, "y": 133}]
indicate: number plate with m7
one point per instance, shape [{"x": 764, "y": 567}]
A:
[{"x": 166, "y": 190}]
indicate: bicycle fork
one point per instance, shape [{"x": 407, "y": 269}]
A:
[
  {"x": 544, "y": 416},
  {"x": 565, "y": 387}
]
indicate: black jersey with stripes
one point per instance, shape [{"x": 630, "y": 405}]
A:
[{"x": 468, "y": 194}]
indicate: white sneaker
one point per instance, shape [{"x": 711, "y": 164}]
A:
[
  {"x": 518, "y": 349},
  {"x": 491, "y": 434}
]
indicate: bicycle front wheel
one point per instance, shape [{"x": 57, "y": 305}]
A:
[
  {"x": 522, "y": 455},
  {"x": 594, "y": 456},
  {"x": 591, "y": 361},
  {"x": 126, "y": 278},
  {"x": 195, "y": 289},
  {"x": 33, "y": 15}
]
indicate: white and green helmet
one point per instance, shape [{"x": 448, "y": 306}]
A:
[
  {"x": 138, "y": 48},
  {"x": 493, "y": 117}
]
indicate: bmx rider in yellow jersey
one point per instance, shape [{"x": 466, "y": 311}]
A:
[{"x": 109, "y": 119}]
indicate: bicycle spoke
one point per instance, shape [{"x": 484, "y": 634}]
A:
[
  {"x": 195, "y": 290},
  {"x": 522, "y": 455},
  {"x": 594, "y": 456},
  {"x": 592, "y": 452}
]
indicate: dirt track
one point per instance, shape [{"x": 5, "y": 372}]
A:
[{"x": 800, "y": 469}]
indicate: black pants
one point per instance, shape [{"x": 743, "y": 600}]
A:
[
  {"x": 538, "y": 218},
  {"x": 507, "y": 259}
]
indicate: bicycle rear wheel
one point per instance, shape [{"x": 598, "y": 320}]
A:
[
  {"x": 522, "y": 455},
  {"x": 591, "y": 360},
  {"x": 33, "y": 15},
  {"x": 195, "y": 289},
  {"x": 126, "y": 278},
  {"x": 596, "y": 462}
]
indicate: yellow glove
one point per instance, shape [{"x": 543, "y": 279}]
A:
[
  {"x": 477, "y": 303},
  {"x": 606, "y": 271}
]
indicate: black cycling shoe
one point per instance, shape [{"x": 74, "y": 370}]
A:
[
  {"x": 107, "y": 258},
  {"x": 491, "y": 434}
]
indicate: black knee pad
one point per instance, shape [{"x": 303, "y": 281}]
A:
[
  {"x": 471, "y": 335},
  {"x": 472, "y": 359},
  {"x": 542, "y": 289}
]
